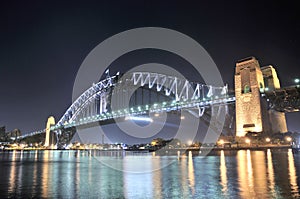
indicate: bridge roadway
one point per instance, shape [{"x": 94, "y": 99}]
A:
[{"x": 142, "y": 110}]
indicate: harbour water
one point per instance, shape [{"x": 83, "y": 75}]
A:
[{"x": 94, "y": 174}]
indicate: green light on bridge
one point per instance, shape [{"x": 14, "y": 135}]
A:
[{"x": 297, "y": 80}]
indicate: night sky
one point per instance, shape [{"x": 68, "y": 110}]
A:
[{"x": 43, "y": 43}]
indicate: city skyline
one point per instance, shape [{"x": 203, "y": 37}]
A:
[{"x": 43, "y": 46}]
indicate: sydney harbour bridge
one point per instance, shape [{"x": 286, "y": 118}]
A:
[{"x": 140, "y": 94}]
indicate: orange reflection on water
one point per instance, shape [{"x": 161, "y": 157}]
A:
[
  {"x": 223, "y": 172},
  {"x": 249, "y": 169},
  {"x": 293, "y": 175},
  {"x": 256, "y": 174},
  {"x": 245, "y": 174},
  {"x": 45, "y": 174},
  {"x": 270, "y": 172},
  {"x": 12, "y": 174},
  {"x": 191, "y": 173},
  {"x": 259, "y": 174},
  {"x": 184, "y": 176}
]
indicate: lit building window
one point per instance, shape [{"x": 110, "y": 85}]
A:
[{"x": 247, "y": 89}]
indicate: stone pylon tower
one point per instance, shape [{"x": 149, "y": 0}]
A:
[
  {"x": 252, "y": 114},
  {"x": 248, "y": 82},
  {"x": 277, "y": 119},
  {"x": 50, "y": 122}
]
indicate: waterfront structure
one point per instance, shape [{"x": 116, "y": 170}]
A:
[{"x": 252, "y": 113}]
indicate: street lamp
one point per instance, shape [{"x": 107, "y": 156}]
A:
[
  {"x": 221, "y": 141},
  {"x": 248, "y": 141},
  {"x": 297, "y": 80},
  {"x": 289, "y": 139}
]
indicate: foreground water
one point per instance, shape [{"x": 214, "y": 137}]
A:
[{"x": 83, "y": 174}]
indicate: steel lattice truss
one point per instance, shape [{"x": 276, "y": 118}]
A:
[
  {"x": 94, "y": 104},
  {"x": 284, "y": 100}
]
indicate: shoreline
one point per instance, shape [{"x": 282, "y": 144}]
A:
[{"x": 168, "y": 150}]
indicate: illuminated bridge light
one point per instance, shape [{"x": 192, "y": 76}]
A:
[{"x": 146, "y": 119}]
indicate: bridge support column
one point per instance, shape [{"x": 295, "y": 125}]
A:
[
  {"x": 252, "y": 114},
  {"x": 249, "y": 111},
  {"x": 50, "y": 122}
]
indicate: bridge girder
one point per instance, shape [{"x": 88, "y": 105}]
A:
[{"x": 284, "y": 100}]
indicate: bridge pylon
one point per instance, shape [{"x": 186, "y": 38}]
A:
[
  {"x": 252, "y": 114},
  {"x": 50, "y": 122}
]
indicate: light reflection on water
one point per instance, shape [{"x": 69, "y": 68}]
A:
[
  {"x": 292, "y": 174},
  {"x": 224, "y": 174},
  {"x": 270, "y": 169}
]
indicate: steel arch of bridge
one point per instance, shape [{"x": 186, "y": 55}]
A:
[
  {"x": 186, "y": 95},
  {"x": 183, "y": 91}
]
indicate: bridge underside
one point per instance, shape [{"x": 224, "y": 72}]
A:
[
  {"x": 284, "y": 100},
  {"x": 90, "y": 133}
]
